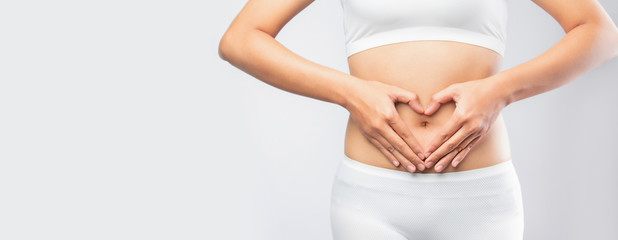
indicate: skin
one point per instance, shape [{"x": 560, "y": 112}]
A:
[
  {"x": 412, "y": 104},
  {"x": 436, "y": 65}
]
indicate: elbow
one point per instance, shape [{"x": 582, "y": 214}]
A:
[
  {"x": 611, "y": 34},
  {"x": 608, "y": 37},
  {"x": 223, "y": 47},
  {"x": 230, "y": 43},
  {"x": 607, "y": 34},
  {"x": 614, "y": 37}
]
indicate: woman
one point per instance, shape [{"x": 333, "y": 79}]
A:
[{"x": 426, "y": 150}]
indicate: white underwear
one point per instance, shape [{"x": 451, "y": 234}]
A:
[{"x": 374, "y": 203}]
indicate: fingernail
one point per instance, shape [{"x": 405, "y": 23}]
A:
[
  {"x": 429, "y": 164},
  {"x": 438, "y": 168},
  {"x": 420, "y": 155},
  {"x": 411, "y": 168},
  {"x": 456, "y": 163},
  {"x": 396, "y": 163},
  {"x": 421, "y": 167}
]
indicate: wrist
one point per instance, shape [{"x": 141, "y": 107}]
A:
[
  {"x": 349, "y": 91},
  {"x": 500, "y": 87}
]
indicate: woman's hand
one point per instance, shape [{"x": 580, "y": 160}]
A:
[
  {"x": 372, "y": 108},
  {"x": 478, "y": 104}
]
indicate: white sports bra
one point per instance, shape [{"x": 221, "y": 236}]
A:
[{"x": 373, "y": 23}]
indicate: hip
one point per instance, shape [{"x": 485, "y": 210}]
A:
[{"x": 484, "y": 203}]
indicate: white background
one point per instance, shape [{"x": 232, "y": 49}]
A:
[{"x": 118, "y": 120}]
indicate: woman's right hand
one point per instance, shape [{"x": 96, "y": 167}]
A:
[{"x": 372, "y": 107}]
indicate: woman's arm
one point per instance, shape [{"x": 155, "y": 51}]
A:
[
  {"x": 591, "y": 40},
  {"x": 250, "y": 45}
]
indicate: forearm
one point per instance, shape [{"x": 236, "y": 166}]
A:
[
  {"x": 261, "y": 56},
  {"x": 580, "y": 50}
]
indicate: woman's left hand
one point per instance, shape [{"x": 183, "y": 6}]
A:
[{"x": 478, "y": 104}]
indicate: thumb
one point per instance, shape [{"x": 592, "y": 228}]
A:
[
  {"x": 401, "y": 95},
  {"x": 438, "y": 98}
]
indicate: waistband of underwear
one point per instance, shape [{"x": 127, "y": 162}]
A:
[
  {"x": 488, "y": 180},
  {"x": 447, "y": 176}
]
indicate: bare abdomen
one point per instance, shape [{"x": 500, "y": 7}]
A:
[{"x": 426, "y": 67}]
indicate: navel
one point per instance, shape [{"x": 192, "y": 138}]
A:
[{"x": 424, "y": 123}]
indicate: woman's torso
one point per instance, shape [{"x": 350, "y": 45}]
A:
[{"x": 426, "y": 67}]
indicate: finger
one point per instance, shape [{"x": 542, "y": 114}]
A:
[
  {"x": 467, "y": 148},
  {"x": 416, "y": 106},
  {"x": 408, "y": 165},
  {"x": 441, "y": 165},
  {"x": 438, "y": 98},
  {"x": 401, "y": 95},
  {"x": 393, "y": 152},
  {"x": 406, "y": 154},
  {"x": 453, "y": 142},
  {"x": 404, "y": 132},
  {"x": 389, "y": 155},
  {"x": 453, "y": 125}
]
